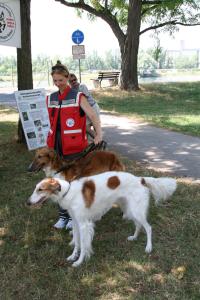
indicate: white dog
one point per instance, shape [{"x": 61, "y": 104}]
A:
[{"x": 89, "y": 198}]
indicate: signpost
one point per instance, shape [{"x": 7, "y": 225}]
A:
[
  {"x": 78, "y": 51},
  {"x": 77, "y": 37}
]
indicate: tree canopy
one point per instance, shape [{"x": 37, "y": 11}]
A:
[
  {"x": 155, "y": 13},
  {"x": 129, "y": 19}
]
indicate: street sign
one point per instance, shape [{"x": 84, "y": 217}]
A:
[
  {"x": 78, "y": 56},
  {"x": 77, "y": 37},
  {"x": 78, "y": 51}
]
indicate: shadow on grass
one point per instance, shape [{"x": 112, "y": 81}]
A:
[
  {"x": 7, "y": 110},
  {"x": 118, "y": 269},
  {"x": 32, "y": 254},
  {"x": 158, "y": 104}
]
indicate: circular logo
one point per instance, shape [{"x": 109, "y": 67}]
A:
[
  {"x": 70, "y": 122},
  {"x": 7, "y": 23}
]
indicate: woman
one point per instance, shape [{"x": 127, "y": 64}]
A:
[
  {"x": 73, "y": 81},
  {"x": 68, "y": 109}
]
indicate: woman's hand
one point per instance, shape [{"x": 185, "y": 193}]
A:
[{"x": 97, "y": 139}]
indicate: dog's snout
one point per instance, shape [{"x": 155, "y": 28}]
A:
[{"x": 28, "y": 202}]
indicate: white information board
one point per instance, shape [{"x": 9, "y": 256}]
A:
[{"x": 34, "y": 116}]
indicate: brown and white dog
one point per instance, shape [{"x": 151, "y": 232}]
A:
[
  {"x": 89, "y": 198},
  {"x": 95, "y": 162}
]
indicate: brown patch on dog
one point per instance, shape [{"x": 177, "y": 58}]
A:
[
  {"x": 93, "y": 163},
  {"x": 50, "y": 185},
  {"x": 88, "y": 191},
  {"x": 113, "y": 182},
  {"x": 143, "y": 181},
  {"x": 97, "y": 162}
]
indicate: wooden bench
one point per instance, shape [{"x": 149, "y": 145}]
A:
[{"x": 111, "y": 76}]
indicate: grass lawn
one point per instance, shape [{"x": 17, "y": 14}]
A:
[
  {"x": 32, "y": 254},
  {"x": 175, "y": 106}
]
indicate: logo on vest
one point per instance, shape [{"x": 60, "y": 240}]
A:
[{"x": 70, "y": 122}]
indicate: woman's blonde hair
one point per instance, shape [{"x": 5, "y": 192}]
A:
[{"x": 59, "y": 68}]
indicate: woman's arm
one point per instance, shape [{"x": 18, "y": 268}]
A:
[
  {"x": 93, "y": 117},
  {"x": 83, "y": 88}
]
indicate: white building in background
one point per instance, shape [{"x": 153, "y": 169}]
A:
[{"x": 183, "y": 50}]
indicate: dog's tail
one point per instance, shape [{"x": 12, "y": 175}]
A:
[{"x": 160, "y": 188}]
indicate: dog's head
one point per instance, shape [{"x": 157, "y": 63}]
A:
[
  {"x": 47, "y": 189},
  {"x": 43, "y": 158}
]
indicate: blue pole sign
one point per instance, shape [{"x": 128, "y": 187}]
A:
[{"x": 77, "y": 37}]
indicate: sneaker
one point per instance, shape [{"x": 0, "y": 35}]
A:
[
  {"x": 69, "y": 224},
  {"x": 61, "y": 223}
]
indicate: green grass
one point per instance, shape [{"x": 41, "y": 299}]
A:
[
  {"x": 174, "y": 106},
  {"x": 32, "y": 254}
]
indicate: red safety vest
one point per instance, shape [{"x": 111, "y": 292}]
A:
[{"x": 72, "y": 124}]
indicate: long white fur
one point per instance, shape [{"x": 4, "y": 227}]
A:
[{"x": 131, "y": 195}]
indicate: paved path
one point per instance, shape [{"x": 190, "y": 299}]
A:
[
  {"x": 8, "y": 99},
  {"x": 160, "y": 149}
]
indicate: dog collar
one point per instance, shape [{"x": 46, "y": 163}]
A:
[{"x": 65, "y": 193}]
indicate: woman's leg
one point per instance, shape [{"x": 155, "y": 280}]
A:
[{"x": 64, "y": 220}]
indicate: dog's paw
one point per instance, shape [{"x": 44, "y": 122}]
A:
[
  {"x": 71, "y": 243},
  {"x": 148, "y": 249},
  {"x": 131, "y": 238},
  {"x": 72, "y": 257},
  {"x": 76, "y": 264},
  {"x": 124, "y": 217}
]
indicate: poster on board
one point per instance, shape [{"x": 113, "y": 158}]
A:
[
  {"x": 10, "y": 24},
  {"x": 34, "y": 116}
]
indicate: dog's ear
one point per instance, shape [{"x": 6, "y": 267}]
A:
[
  {"x": 51, "y": 153},
  {"x": 41, "y": 150},
  {"x": 54, "y": 185}
]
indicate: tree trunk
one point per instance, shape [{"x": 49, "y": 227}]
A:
[
  {"x": 24, "y": 60},
  {"x": 129, "y": 76}
]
